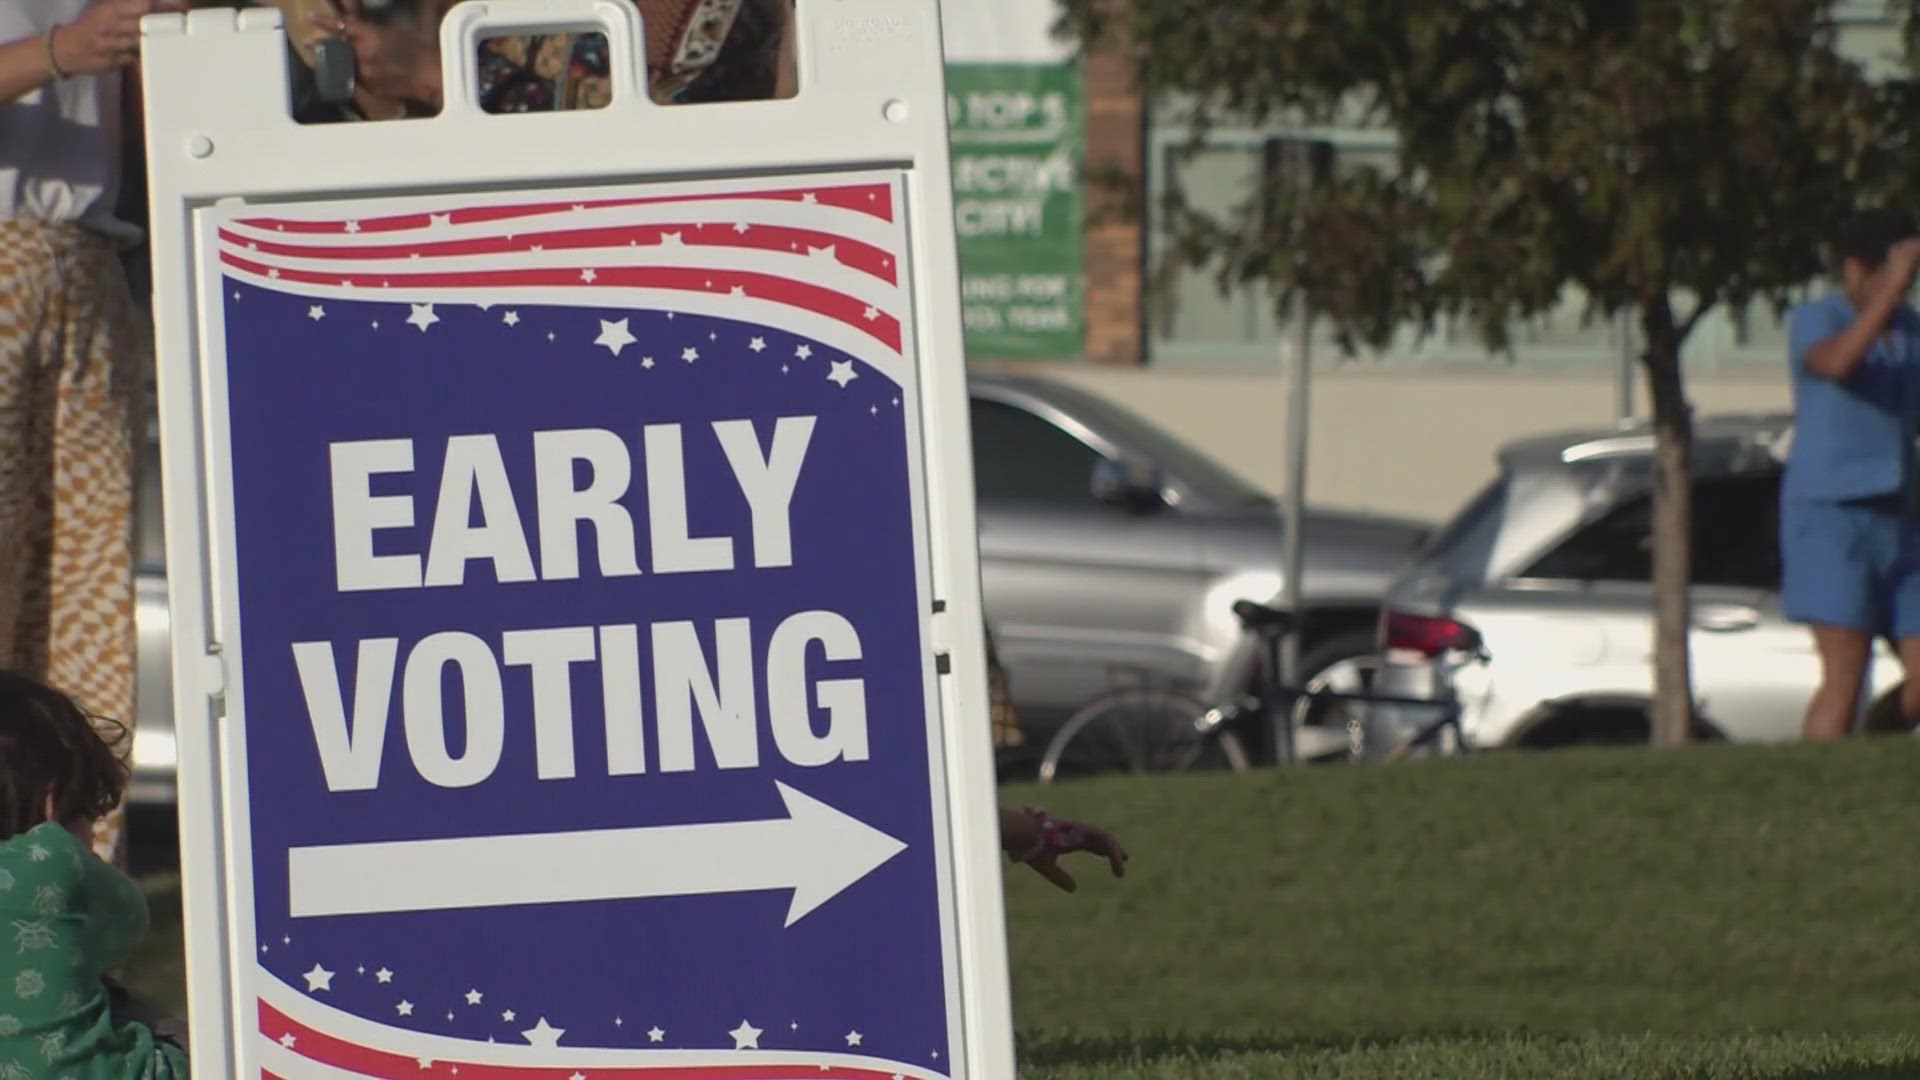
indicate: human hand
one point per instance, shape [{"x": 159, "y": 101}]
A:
[
  {"x": 396, "y": 57},
  {"x": 1905, "y": 254},
  {"x": 1054, "y": 837},
  {"x": 105, "y": 37}
]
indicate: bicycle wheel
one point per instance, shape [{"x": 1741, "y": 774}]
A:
[{"x": 1141, "y": 730}]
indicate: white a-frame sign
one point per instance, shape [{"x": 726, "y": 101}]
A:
[{"x": 572, "y": 566}]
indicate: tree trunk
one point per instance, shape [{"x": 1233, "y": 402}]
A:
[{"x": 1672, "y": 526}]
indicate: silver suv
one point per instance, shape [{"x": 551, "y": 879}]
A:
[{"x": 1549, "y": 566}]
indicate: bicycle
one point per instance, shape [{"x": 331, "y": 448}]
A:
[{"x": 1165, "y": 729}]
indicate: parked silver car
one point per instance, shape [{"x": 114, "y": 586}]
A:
[
  {"x": 1110, "y": 551},
  {"x": 1549, "y": 566}
]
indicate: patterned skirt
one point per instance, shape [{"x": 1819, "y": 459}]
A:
[{"x": 73, "y": 359}]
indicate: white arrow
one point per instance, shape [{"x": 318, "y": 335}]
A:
[{"x": 815, "y": 850}]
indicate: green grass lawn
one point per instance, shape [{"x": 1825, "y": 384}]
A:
[{"x": 1717, "y": 912}]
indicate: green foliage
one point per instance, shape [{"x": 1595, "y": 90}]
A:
[{"x": 1636, "y": 149}]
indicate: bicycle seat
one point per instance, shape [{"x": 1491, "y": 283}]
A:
[{"x": 1260, "y": 617}]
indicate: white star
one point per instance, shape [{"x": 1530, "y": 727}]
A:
[
  {"x": 656, "y": 1034},
  {"x": 318, "y": 979},
  {"x": 578, "y": 1076},
  {"x": 803, "y": 351},
  {"x": 353, "y": 226},
  {"x": 362, "y": 969},
  {"x": 826, "y": 253},
  {"x": 689, "y": 354},
  {"x": 741, "y": 228},
  {"x": 439, "y": 221},
  {"x": 346, "y": 283},
  {"x": 713, "y": 336},
  {"x": 873, "y": 410},
  {"x": 646, "y": 361},
  {"x": 671, "y": 239},
  {"x": 507, "y": 1017},
  {"x": 413, "y": 254},
  {"x": 757, "y": 344},
  {"x": 746, "y": 1036},
  {"x": 809, "y": 197},
  {"x": 474, "y": 996},
  {"x": 425, "y": 1063},
  {"x": 263, "y": 948},
  {"x": 783, "y": 369},
  {"x": 842, "y": 373},
  {"x": 236, "y": 296},
  {"x": 871, "y": 313},
  {"x": 579, "y": 206},
  {"x": 544, "y": 1034},
  {"x": 511, "y": 318},
  {"x": 737, "y": 291},
  {"x": 619, "y": 1022},
  {"x": 405, "y": 1008},
  {"x": 383, "y": 975},
  {"x": 253, "y": 245},
  {"x": 284, "y": 940},
  {"x": 549, "y": 335},
  {"x": 316, "y": 313},
  {"x": 615, "y": 336},
  {"x": 274, "y": 273},
  {"x": 588, "y": 275},
  {"x": 287, "y": 1040},
  {"x": 376, "y": 324},
  {"x": 537, "y": 247},
  {"x": 853, "y": 1038},
  {"x": 484, "y": 305},
  {"x": 794, "y": 1026},
  {"x": 422, "y": 316}
]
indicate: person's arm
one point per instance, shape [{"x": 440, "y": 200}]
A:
[
  {"x": 23, "y": 68},
  {"x": 104, "y": 38},
  {"x": 1838, "y": 356}
]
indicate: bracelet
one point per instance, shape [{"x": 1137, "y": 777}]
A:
[
  {"x": 1040, "y": 842},
  {"x": 53, "y": 64}
]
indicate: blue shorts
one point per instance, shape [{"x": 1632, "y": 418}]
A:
[{"x": 1853, "y": 565}]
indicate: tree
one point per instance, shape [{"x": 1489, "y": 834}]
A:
[{"x": 1664, "y": 157}]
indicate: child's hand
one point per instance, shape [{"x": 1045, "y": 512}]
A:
[{"x": 1054, "y": 837}]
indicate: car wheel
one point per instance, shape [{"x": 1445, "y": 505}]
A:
[{"x": 1602, "y": 725}]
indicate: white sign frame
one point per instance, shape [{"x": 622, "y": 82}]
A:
[{"x": 871, "y": 96}]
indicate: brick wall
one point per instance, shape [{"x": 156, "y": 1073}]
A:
[{"x": 1114, "y": 252}]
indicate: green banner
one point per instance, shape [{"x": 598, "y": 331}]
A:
[{"x": 1017, "y": 144}]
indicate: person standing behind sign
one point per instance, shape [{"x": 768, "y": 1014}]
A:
[
  {"x": 1849, "y": 531},
  {"x": 73, "y": 355},
  {"x": 697, "y": 50}
]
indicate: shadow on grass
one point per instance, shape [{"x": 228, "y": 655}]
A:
[{"x": 1899, "y": 1070}]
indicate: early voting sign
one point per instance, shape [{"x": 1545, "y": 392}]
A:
[{"x": 576, "y": 622}]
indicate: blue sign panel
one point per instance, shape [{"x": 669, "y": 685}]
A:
[{"x": 585, "y": 718}]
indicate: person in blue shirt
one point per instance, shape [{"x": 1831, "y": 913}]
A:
[{"x": 1849, "y": 531}]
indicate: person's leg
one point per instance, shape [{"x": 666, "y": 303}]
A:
[
  {"x": 27, "y": 292},
  {"x": 1843, "y": 666},
  {"x": 1829, "y": 556},
  {"x": 92, "y": 643}
]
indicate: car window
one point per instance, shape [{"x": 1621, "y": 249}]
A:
[
  {"x": 1735, "y": 538},
  {"x": 1018, "y": 455},
  {"x": 1465, "y": 544}
]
